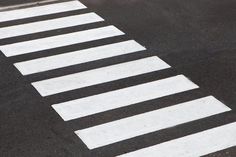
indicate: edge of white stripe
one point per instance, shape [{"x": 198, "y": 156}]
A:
[
  {"x": 46, "y": 43},
  {"x": 78, "y": 57},
  {"x": 198, "y": 144},
  {"x": 123, "y": 129},
  {"x": 99, "y": 76},
  {"x": 116, "y": 99},
  {"x": 31, "y": 4},
  {"x": 40, "y": 10},
  {"x": 48, "y": 25}
]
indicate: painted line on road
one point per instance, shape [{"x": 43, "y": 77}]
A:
[
  {"x": 98, "y": 76},
  {"x": 199, "y": 144},
  {"x": 78, "y": 57},
  {"x": 60, "y": 40},
  {"x": 145, "y": 123},
  {"x": 123, "y": 97},
  {"x": 41, "y": 26},
  {"x": 40, "y": 10},
  {"x": 31, "y": 4}
]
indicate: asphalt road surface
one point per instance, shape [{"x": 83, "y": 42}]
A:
[{"x": 129, "y": 78}]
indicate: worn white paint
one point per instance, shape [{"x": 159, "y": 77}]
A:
[
  {"x": 41, "y": 26},
  {"x": 78, "y": 57},
  {"x": 40, "y": 10},
  {"x": 98, "y": 76},
  {"x": 60, "y": 40},
  {"x": 199, "y": 144},
  {"x": 123, "y": 97},
  {"x": 141, "y": 124}
]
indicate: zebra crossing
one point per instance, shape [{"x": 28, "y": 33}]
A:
[
  {"x": 116, "y": 99},
  {"x": 207, "y": 141},
  {"x": 98, "y": 76},
  {"x": 47, "y": 25},
  {"x": 78, "y": 57},
  {"x": 59, "y": 41},
  {"x": 40, "y": 10},
  {"x": 102, "y": 135},
  {"x": 115, "y": 131}
]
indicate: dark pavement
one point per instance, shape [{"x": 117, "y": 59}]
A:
[{"x": 196, "y": 37}]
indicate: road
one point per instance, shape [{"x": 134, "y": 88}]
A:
[{"x": 118, "y": 78}]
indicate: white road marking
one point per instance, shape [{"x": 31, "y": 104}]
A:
[
  {"x": 141, "y": 124},
  {"x": 60, "y": 40},
  {"x": 199, "y": 144},
  {"x": 29, "y": 4},
  {"x": 123, "y": 97},
  {"x": 47, "y": 25},
  {"x": 40, "y": 10},
  {"x": 78, "y": 57},
  {"x": 98, "y": 76}
]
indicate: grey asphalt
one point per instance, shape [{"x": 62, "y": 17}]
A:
[{"x": 196, "y": 37}]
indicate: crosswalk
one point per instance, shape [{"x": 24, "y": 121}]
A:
[
  {"x": 78, "y": 57},
  {"x": 116, "y": 99},
  {"x": 47, "y": 25},
  {"x": 40, "y": 10},
  {"x": 193, "y": 145},
  {"x": 98, "y": 76},
  {"x": 59, "y": 41},
  {"x": 113, "y": 131}
]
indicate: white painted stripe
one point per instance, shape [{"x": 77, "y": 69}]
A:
[
  {"x": 123, "y": 97},
  {"x": 30, "y": 4},
  {"x": 199, "y": 144},
  {"x": 47, "y": 25},
  {"x": 78, "y": 57},
  {"x": 141, "y": 124},
  {"x": 98, "y": 76},
  {"x": 40, "y": 10},
  {"x": 60, "y": 40}
]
